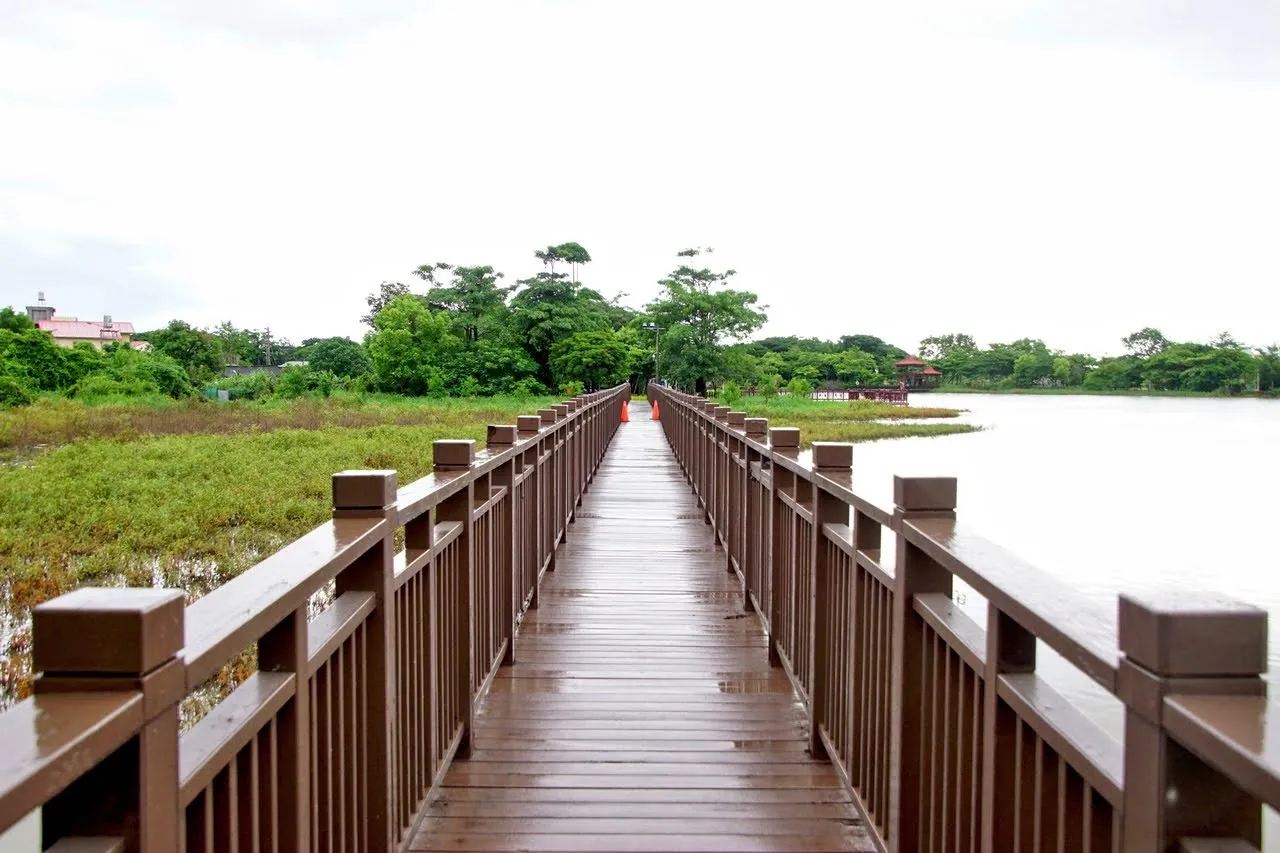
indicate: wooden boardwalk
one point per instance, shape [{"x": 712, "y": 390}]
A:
[{"x": 642, "y": 713}]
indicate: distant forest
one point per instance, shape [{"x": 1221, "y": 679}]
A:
[{"x": 465, "y": 331}]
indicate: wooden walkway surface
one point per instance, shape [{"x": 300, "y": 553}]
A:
[{"x": 641, "y": 713}]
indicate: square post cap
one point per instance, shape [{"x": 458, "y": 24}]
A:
[
  {"x": 1193, "y": 635},
  {"x": 561, "y": 410},
  {"x": 548, "y": 416},
  {"x": 721, "y": 413},
  {"x": 785, "y": 438},
  {"x": 832, "y": 454},
  {"x": 758, "y": 427},
  {"x": 453, "y": 453},
  {"x": 529, "y": 423},
  {"x": 737, "y": 419},
  {"x": 364, "y": 489},
  {"x": 500, "y": 435},
  {"x": 118, "y": 631},
  {"x": 934, "y": 494}
]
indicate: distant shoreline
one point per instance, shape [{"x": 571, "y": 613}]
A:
[{"x": 1086, "y": 392}]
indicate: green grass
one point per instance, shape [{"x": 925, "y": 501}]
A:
[
  {"x": 856, "y": 420},
  {"x": 188, "y": 494},
  {"x": 55, "y": 421}
]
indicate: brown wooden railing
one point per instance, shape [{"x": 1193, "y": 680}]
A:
[
  {"x": 940, "y": 725},
  {"x": 352, "y": 716}
]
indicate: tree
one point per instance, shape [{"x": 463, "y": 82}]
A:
[
  {"x": 192, "y": 348},
  {"x": 594, "y": 359},
  {"x": 472, "y": 297},
  {"x": 409, "y": 344},
  {"x": 1268, "y": 369},
  {"x": 14, "y": 322},
  {"x": 1145, "y": 342},
  {"x": 1224, "y": 340},
  {"x": 571, "y": 253},
  {"x": 341, "y": 357},
  {"x": 549, "y": 309},
  {"x": 699, "y": 317},
  {"x": 945, "y": 346},
  {"x": 387, "y": 291}
]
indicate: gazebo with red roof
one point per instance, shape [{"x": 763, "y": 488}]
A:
[{"x": 916, "y": 375}]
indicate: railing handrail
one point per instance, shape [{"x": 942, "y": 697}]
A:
[
  {"x": 1187, "y": 671},
  {"x": 55, "y": 743}
]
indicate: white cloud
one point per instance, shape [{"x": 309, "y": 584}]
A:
[{"x": 895, "y": 169}]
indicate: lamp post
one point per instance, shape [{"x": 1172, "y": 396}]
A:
[{"x": 657, "y": 350}]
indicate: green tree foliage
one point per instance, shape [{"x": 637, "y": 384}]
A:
[
  {"x": 341, "y": 357},
  {"x": 1145, "y": 342},
  {"x": 472, "y": 297},
  {"x": 14, "y": 321},
  {"x": 192, "y": 348},
  {"x": 305, "y": 381},
  {"x": 548, "y": 309},
  {"x": 700, "y": 314},
  {"x": 409, "y": 347},
  {"x": 387, "y": 291},
  {"x": 591, "y": 360},
  {"x": 944, "y": 346}
]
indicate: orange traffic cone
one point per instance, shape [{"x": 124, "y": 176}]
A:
[
  {"x": 655, "y": 411},
  {"x": 626, "y": 418}
]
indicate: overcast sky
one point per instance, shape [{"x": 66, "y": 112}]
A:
[{"x": 1071, "y": 171}]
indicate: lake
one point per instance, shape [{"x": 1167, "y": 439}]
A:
[{"x": 1110, "y": 494}]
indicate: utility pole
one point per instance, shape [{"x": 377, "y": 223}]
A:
[
  {"x": 266, "y": 342},
  {"x": 657, "y": 348}
]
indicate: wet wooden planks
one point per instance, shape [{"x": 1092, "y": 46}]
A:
[{"x": 641, "y": 713}]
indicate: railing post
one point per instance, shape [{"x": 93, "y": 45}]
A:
[
  {"x": 783, "y": 441},
  {"x": 1010, "y": 649},
  {"x": 828, "y": 458},
  {"x": 372, "y": 494},
  {"x": 758, "y": 520},
  {"x": 113, "y": 640},
  {"x": 1183, "y": 643},
  {"x": 454, "y": 457},
  {"x": 735, "y": 518},
  {"x": 560, "y": 464},
  {"x": 916, "y": 574},
  {"x": 530, "y": 497},
  {"x": 502, "y": 438}
]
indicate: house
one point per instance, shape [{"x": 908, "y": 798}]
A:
[{"x": 69, "y": 331}]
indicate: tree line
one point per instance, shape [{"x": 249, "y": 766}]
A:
[
  {"x": 456, "y": 330},
  {"x": 459, "y": 330},
  {"x": 1151, "y": 362}
]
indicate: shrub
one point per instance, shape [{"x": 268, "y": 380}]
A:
[
  {"x": 100, "y": 388},
  {"x": 258, "y": 385},
  {"x": 14, "y": 393},
  {"x": 730, "y": 393},
  {"x": 800, "y": 387},
  {"x": 296, "y": 382},
  {"x": 769, "y": 386}
]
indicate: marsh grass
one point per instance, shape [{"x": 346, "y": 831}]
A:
[
  {"x": 855, "y": 420},
  {"x": 52, "y": 421},
  {"x": 188, "y": 495}
]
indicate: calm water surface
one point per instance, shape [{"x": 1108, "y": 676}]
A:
[{"x": 1110, "y": 494}]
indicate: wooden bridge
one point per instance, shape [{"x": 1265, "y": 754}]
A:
[{"x": 680, "y": 635}]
